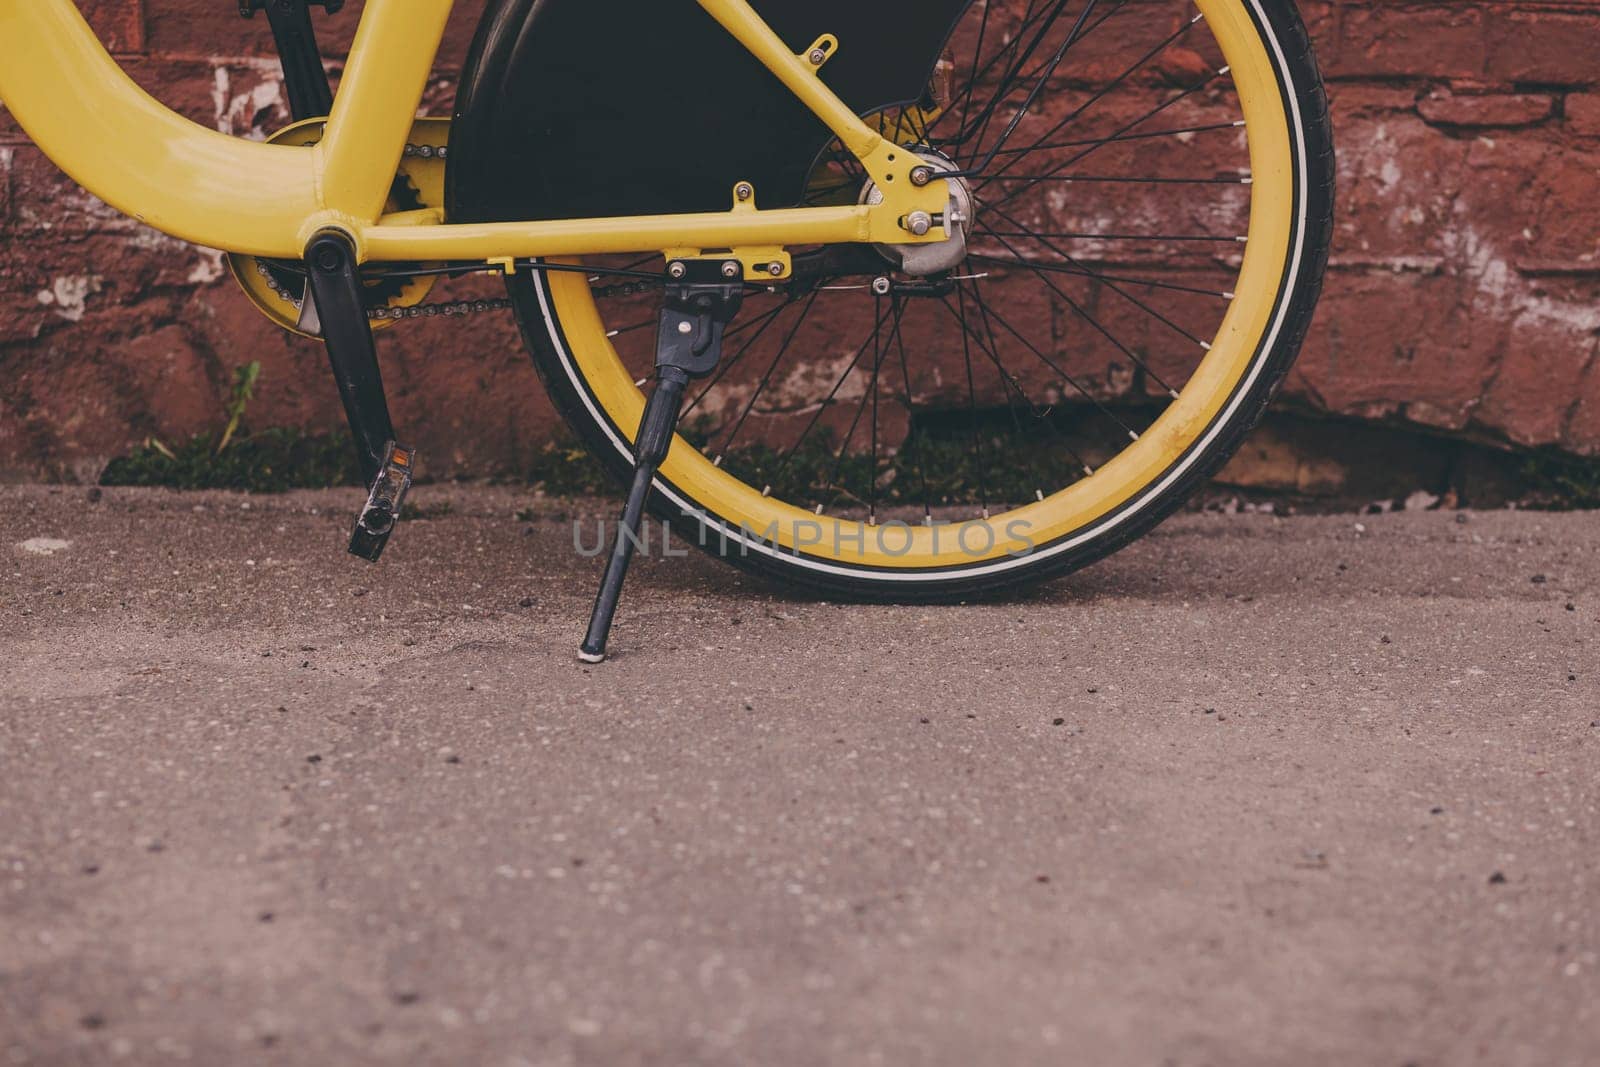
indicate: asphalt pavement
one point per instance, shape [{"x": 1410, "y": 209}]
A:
[{"x": 1256, "y": 791}]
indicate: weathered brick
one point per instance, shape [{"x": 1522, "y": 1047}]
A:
[
  {"x": 1461, "y": 297},
  {"x": 1446, "y": 108},
  {"x": 214, "y": 28},
  {"x": 1392, "y": 343},
  {"x": 1543, "y": 370},
  {"x": 118, "y": 23},
  {"x": 1399, "y": 40},
  {"x": 8, "y": 157},
  {"x": 1544, "y": 46},
  {"x": 1583, "y": 114}
]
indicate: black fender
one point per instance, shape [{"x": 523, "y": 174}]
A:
[{"x": 595, "y": 108}]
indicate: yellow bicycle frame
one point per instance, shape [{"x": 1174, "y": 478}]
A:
[{"x": 210, "y": 189}]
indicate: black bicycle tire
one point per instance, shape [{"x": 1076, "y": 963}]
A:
[{"x": 542, "y": 334}]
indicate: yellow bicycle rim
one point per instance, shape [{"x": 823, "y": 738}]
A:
[{"x": 1238, "y": 348}]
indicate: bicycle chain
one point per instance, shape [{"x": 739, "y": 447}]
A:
[{"x": 473, "y": 307}]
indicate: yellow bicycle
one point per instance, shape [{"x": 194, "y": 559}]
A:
[{"x": 897, "y": 298}]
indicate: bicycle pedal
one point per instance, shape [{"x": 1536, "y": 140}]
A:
[{"x": 378, "y": 518}]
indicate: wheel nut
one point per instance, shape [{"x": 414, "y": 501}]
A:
[
  {"x": 919, "y": 223},
  {"x": 744, "y": 191},
  {"x": 677, "y": 270},
  {"x": 881, "y": 286},
  {"x": 921, "y": 176}
]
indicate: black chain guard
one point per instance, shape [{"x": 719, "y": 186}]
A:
[{"x": 594, "y": 108}]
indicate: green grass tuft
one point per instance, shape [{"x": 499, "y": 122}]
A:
[
  {"x": 1562, "y": 482},
  {"x": 272, "y": 461}
]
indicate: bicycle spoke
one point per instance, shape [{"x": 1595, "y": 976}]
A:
[
  {"x": 1016, "y": 65},
  {"x": 972, "y": 79},
  {"x": 1109, "y": 284},
  {"x": 1068, "y": 378},
  {"x": 861, "y": 408},
  {"x": 1077, "y": 309},
  {"x": 1116, "y": 180},
  {"x": 877, "y": 367},
  {"x": 822, "y": 408},
  {"x": 1120, "y": 79},
  {"x": 905, "y": 378},
  {"x": 766, "y": 319},
  {"x": 972, "y": 406},
  {"x": 1044, "y": 77},
  {"x": 1087, "y": 152},
  {"x": 1088, "y": 236},
  {"x": 1209, "y": 127},
  {"x": 1078, "y": 272},
  {"x": 767, "y": 377},
  {"x": 1009, "y": 385}
]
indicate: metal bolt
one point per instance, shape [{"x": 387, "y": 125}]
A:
[
  {"x": 686, "y": 326},
  {"x": 775, "y": 269},
  {"x": 882, "y": 286},
  {"x": 731, "y": 269},
  {"x": 818, "y": 57},
  {"x": 677, "y": 270},
  {"x": 921, "y": 176},
  {"x": 919, "y": 223},
  {"x": 744, "y": 191}
]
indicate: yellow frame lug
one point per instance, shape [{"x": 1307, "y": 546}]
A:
[{"x": 821, "y": 50}]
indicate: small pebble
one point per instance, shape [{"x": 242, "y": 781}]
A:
[
  {"x": 449, "y": 755},
  {"x": 1497, "y": 878},
  {"x": 526, "y": 602}
]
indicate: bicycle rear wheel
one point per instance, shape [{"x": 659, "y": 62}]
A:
[{"x": 1152, "y": 197}]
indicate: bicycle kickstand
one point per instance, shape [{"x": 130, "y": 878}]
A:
[
  {"x": 702, "y": 298},
  {"x": 336, "y": 310}
]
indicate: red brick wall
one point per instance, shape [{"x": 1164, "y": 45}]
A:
[{"x": 1462, "y": 297}]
